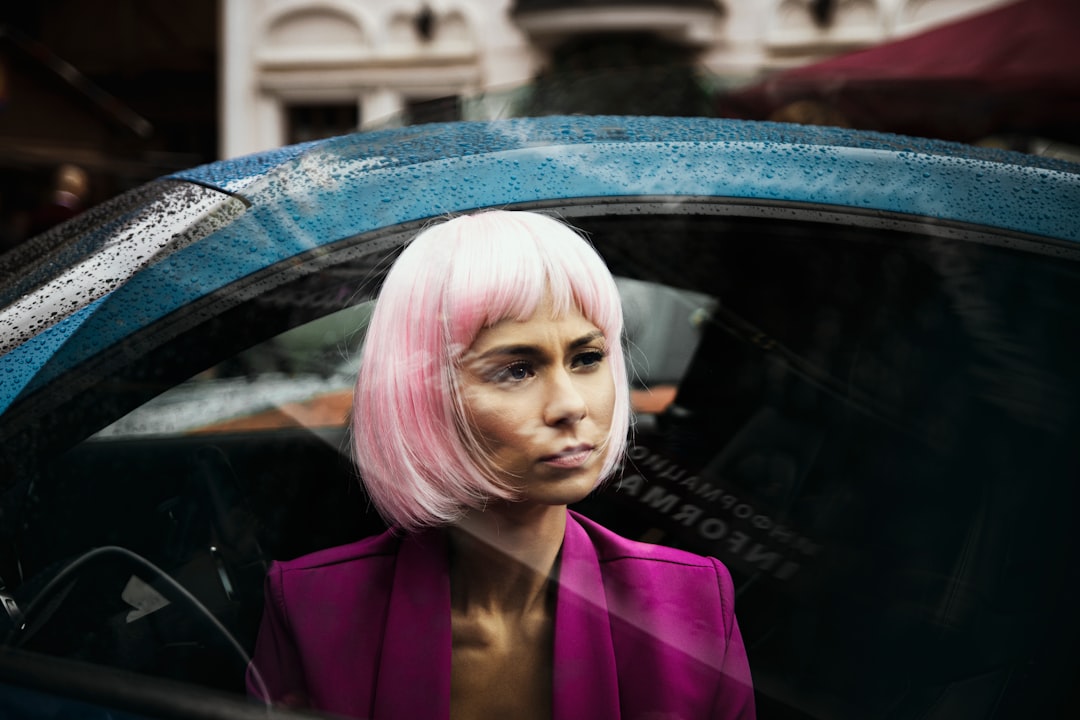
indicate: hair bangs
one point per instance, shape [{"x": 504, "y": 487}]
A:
[
  {"x": 506, "y": 264},
  {"x": 497, "y": 273}
]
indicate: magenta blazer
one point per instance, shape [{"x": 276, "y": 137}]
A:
[{"x": 641, "y": 631}]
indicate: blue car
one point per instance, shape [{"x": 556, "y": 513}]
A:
[{"x": 853, "y": 382}]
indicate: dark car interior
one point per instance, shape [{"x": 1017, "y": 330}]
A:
[{"x": 876, "y": 432}]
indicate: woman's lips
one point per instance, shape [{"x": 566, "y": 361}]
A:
[{"x": 569, "y": 458}]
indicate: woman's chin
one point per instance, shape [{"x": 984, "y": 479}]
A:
[{"x": 572, "y": 488}]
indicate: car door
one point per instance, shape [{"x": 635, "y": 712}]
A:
[{"x": 851, "y": 378}]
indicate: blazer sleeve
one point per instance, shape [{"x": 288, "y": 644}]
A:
[
  {"x": 275, "y": 673},
  {"x": 735, "y": 692}
]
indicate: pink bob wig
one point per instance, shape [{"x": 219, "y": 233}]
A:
[{"x": 420, "y": 461}]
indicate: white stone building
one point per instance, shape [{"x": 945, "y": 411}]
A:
[{"x": 297, "y": 69}]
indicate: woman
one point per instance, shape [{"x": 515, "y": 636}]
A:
[{"x": 492, "y": 393}]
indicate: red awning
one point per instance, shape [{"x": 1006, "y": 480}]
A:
[{"x": 1013, "y": 69}]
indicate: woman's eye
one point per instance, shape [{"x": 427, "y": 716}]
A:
[
  {"x": 590, "y": 358},
  {"x": 515, "y": 372}
]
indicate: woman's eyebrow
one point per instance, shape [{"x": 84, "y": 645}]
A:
[
  {"x": 528, "y": 351},
  {"x": 586, "y": 339},
  {"x": 525, "y": 350}
]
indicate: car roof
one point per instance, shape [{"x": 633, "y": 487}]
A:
[
  {"x": 276, "y": 206},
  {"x": 417, "y": 145}
]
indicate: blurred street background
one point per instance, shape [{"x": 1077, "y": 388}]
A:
[{"x": 100, "y": 96}]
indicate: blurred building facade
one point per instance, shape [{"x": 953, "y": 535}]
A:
[{"x": 293, "y": 70}]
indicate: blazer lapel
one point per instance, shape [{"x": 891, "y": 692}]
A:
[
  {"x": 414, "y": 667},
  {"x": 586, "y": 684}
]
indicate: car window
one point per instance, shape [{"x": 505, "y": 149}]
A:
[
  {"x": 302, "y": 377},
  {"x": 869, "y": 419},
  {"x": 874, "y": 433}
]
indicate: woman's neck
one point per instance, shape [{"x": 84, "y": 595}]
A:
[{"x": 502, "y": 559}]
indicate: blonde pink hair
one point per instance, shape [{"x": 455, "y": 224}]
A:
[{"x": 418, "y": 458}]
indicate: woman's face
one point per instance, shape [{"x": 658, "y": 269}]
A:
[{"x": 540, "y": 395}]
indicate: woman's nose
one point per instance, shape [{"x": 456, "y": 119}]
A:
[{"x": 565, "y": 403}]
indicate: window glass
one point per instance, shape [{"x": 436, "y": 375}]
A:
[
  {"x": 306, "y": 122},
  {"x": 871, "y": 423},
  {"x": 443, "y": 109},
  {"x": 874, "y": 432},
  {"x": 300, "y": 378}
]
